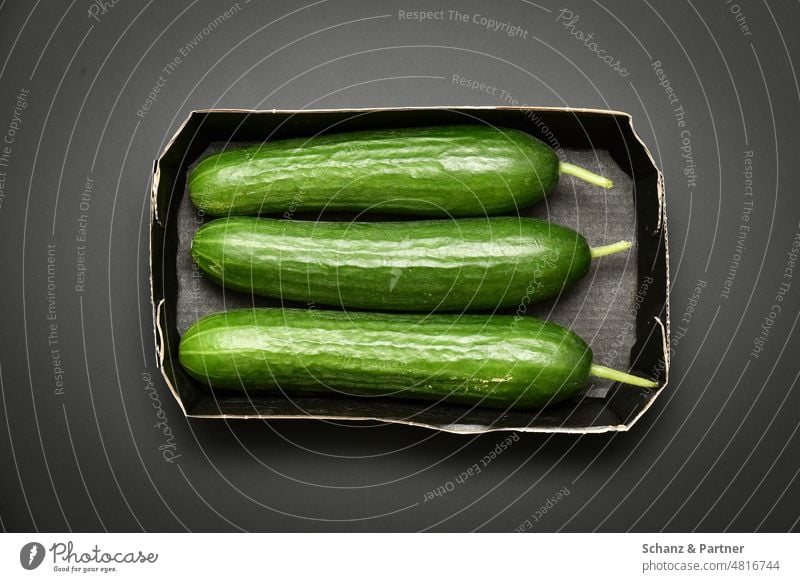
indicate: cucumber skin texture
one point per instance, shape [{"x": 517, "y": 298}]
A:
[
  {"x": 463, "y": 170},
  {"x": 431, "y": 265},
  {"x": 496, "y": 361}
]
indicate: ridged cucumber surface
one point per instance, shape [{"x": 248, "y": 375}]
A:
[
  {"x": 497, "y": 361},
  {"x": 451, "y": 170},
  {"x": 430, "y": 265}
]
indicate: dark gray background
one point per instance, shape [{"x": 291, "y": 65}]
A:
[{"x": 718, "y": 451}]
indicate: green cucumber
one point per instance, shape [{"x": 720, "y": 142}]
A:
[
  {"x": 426, "y": 265},
  {"x": 452, "y": 170},
  {"x": 499, "y": 361}
]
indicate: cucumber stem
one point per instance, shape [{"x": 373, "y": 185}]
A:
[
  {"x": 584, "y": 175},
  {"x": 616, "y": 375},
  {"x": 616, "y": 247}
]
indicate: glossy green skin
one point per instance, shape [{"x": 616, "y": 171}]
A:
[
  {"x": 498, "y": 361},
  {"x": 429, "y": 265},
  {"x": 455, "y": 170}
]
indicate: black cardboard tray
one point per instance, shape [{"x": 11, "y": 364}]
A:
[{"x": 620, "y": 308}]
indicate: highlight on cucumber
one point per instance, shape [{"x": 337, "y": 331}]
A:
[
  {"x": 448, "y": 170},
  {"x": 478, "y": 360},
  {"x": 465, "y": 264}
]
